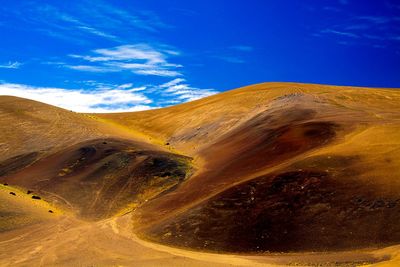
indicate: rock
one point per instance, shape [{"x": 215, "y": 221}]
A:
[
  {"x": 36, "y": 197},
  {"x": 12, "y": 193}
]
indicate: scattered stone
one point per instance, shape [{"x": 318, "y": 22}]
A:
[
  {"x": 5, "y": 184},
  {"x": 36, "y": 197},
  {"x": 105, "y": 143},
  {"x": 51, "y": 211},
  {"x": 167, "y": 144},
  {"x": 12, "y": 193},
  {"x": 29, "y": 192}
]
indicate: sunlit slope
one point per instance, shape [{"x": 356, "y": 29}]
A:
[
  {"x": 310, "y": 162},
  {"x": 28, "y": 128},
  {"x": 101, "y": 178},
  {"x": 18, "y": 209},
  {"x": 195, "y": 125}
]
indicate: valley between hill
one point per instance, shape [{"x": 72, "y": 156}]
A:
[{"x": 264, "y": 175}]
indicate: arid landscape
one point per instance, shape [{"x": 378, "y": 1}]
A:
[{"x": 270, "y": 174}]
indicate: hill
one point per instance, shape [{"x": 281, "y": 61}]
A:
[
  {"x": 294, "y": 164},
  {"x": 273, "y": 167}
]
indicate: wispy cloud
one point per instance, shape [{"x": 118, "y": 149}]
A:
[
  {"x": 231, "y": 54},
  {"x": 56, "y": 23},
  {"x": 117, "y": 98},
  {"x": 331, "y": 8},
  {"x": 342, "y": 33},
  {"x": 230, "y": 59},
  {"x": 11, "y": 65},
  {"x": 141, "y": 59},
  {"x": 96, "y": 32},
  {"x": 182, "y": 92},
  {"x": 89, "y": 19},
  {"x": 116, "y": 17},
  {"x": 244, "y": 48},
  {"x": 375, "y": 31},
  {"x": 123, "y": 54}
]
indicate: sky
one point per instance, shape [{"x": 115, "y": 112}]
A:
[{"x": 114, "y": 56}]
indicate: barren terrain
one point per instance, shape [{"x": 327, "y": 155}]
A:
[{"x": 264, "y": 175}]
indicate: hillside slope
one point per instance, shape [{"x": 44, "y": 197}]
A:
[
  {"x": 28, "y": 126},
  {"x": 194, "y": 125},
  {"x": 274, "y": 167},
  {"x": 275, "y": 158}
]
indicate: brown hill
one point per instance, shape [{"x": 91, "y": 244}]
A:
[
  {"x": 28, "y": 126},
  {"x": 315, "y": 152},
  {"x": 279, "y": 167}
]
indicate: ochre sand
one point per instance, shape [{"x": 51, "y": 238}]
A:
[{"x": 333, "y": 150}]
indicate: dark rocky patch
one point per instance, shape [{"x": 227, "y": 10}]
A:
[
  {"x": 12, "y": 193},
  {"x": 16, "y": 163},
  {"x": 36, "y": 197},
  {"x": 307, "y": 209},
  {"x": 100, "y": 181}
]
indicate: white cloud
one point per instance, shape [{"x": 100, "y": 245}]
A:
[
  {"x": 117, "y": 99},
  {"x": 91, "y": 68},
  {"x": 183, "y": 92},
  {"x": 164, "y": 73},
  {"x": 104, "y": 97},
  {"x": 140, "y": 59},
  {"x": 11, "y": 65},
  {"x": 342, "y": 33},
  {"x": 132, "y": 52},
  {"x": 96, "y": 32},
  {"x": 173, "y": 82}
]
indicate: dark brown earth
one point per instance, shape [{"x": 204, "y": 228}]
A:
[
  {"x": 266, "y": 140},
  {"x": 101, "y": 177},
  {"x": 298, "y": 210},
  {"x": 16, "y": 163}
]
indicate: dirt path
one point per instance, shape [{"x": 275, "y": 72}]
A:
[{"x": 71, "y": 242}]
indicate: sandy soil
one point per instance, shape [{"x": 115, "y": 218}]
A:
[
  {"x": 71, "y": 242},
  {"x": 330, "y": 154}
]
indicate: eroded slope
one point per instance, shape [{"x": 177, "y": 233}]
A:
[
  {"x": 101, "y": 178},
  {"x": 28, "y": 126}
]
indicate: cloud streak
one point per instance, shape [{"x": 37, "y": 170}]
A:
[
  {"x": 11, "y": 65},
  {"x": 375, "y": 31},
  {"x": 183, "y": 92},
  {"x": 243, "y": 48},
  {"x": 90, "y": 19},
  {"x": 141, "y": 59}
]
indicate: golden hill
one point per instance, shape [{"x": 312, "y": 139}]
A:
[
  {"x": 28, "y": 126},
  {"x": 278, "y": 167}
]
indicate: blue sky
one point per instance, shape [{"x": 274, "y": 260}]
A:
[{"x": 109, "y": 56}]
